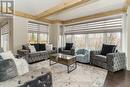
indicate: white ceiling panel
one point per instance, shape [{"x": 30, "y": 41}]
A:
[
  {"x": 92, "y": 8},
  {"x": 35, "y": 6}
]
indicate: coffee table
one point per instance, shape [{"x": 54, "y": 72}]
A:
[{"x": 68, "y": 60}]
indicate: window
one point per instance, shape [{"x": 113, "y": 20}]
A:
[
  {"x": 43, "y": 38},
  {"x": 79, "y": 40},
  {"x": 5, "y": 37},
  {"x": 37, "y": 33},
  {"x": 33, "y": 38},
  {"x": 95, "y": 41},
  {"x": 114, "y": 38},
  {"x": 94, "y": 33},
  {"x": 68, "y": 38}
]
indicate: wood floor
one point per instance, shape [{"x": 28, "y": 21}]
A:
[{"x": 118, "y": 79}]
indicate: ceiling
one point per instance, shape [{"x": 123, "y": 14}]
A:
[{"x": 35, "y": 7}]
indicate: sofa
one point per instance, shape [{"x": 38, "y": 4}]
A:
[
  {"x": 32, "y": 57},
  {"x": 112, "y": 61},
  {"x": 10, "y": 76},
  {"x": 82, "y": 55},
  {"x": 37, "y": 78},
  {"x": 68, "y": 49}
]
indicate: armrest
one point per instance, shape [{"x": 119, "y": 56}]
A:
[
  {"x": 115, "y": 56},
  {"x": 95, "y": 52},
  {"x": 23, "y": 53},
  {"x": 60, "y": 49},
  {"x": 72, "y": 51},
  {"x": 116, "y": 61}
]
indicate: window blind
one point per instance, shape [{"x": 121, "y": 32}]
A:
[
  {"x": 102, "y": 26},
  {"x": 38, "y": 28}
]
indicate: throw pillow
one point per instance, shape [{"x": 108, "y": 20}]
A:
[
  {"x": 69, "y": 46},
  {"x": 108, "y": 49},
  {"x": 42, "y": 47},
  {"x": 32, "y": 49},
  {"x": 36, "y": 46},
  {"x": 49, "y": 47},
  {"x": 7, "y": 55}
]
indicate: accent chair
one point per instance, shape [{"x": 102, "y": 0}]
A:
[{"x": 82, "y": 55}]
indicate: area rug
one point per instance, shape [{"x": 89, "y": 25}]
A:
[{"x": 84, "y": 76}]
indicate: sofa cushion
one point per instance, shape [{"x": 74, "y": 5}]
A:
[
  {"x": 36, "y": 46},
  {"x": 100, "y": 58},
  {"x": 69, "y": 46},
  {"x": 42, "y": 47},
  {"x": 108, "y": 49}
]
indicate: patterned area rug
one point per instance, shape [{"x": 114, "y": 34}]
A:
[{"x": 83, "y": 76}]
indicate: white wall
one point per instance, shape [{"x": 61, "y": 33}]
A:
[
  {"x": 19, "y": 32},
  {"x": 128, "y": 38}
]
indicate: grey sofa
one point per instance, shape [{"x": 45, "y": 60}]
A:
[
  {"x": 40, "y": 55},
  {"x": 112, "y": 61},
  {"x": 82, "y": 55},
  {"x": 68, "y": 49}
]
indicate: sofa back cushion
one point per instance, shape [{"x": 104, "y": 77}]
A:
[
  {"x": 68, "y": 46},
  {"x": 39, "y": 47},
  {"x": 108, "y": 49},
  {"x": 36, "y": 46},
  {"x": 42, "y": 47}
]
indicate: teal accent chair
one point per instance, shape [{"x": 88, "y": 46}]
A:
[{"x": 82, "y": 55}]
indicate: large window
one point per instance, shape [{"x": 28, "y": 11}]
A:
[
  {"x": 95, "y": 40},
  {"x": 37, "y": 33},
  {"x": 93, "y": 34}
]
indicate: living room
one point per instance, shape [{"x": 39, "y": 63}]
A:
[{"x": 64, "y": 43}]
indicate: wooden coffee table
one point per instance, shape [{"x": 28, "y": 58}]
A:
[{"x": 68, "y": 60}]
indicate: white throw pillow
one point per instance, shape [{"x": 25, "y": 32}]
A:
[
  {"x": 49, "y": 47},
  {"x": 32, "y": 49},
  {"x": 7, "y": 55}
]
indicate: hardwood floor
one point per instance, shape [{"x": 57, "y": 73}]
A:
[{"x": 118, "y": 79}]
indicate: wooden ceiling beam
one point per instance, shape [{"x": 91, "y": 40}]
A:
[
  {"x": 128, "y": 2},
  {"x": 61, "y": 7},
  {"x": 25, "y": 15},
  {"x": 98, "y": 15}
]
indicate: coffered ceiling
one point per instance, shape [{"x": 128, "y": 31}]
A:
[{"x": 66, "y": 9}]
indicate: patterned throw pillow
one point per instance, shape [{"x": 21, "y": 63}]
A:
[
  {"x": 49, "y": 47},
  {"x": 32, "y": 49}
]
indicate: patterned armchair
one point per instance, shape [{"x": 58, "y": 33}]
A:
[
  {"x": 68, "y": 49},
  {"x": 112, "y": 61},
  {"x": 83, "y": 55}
]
